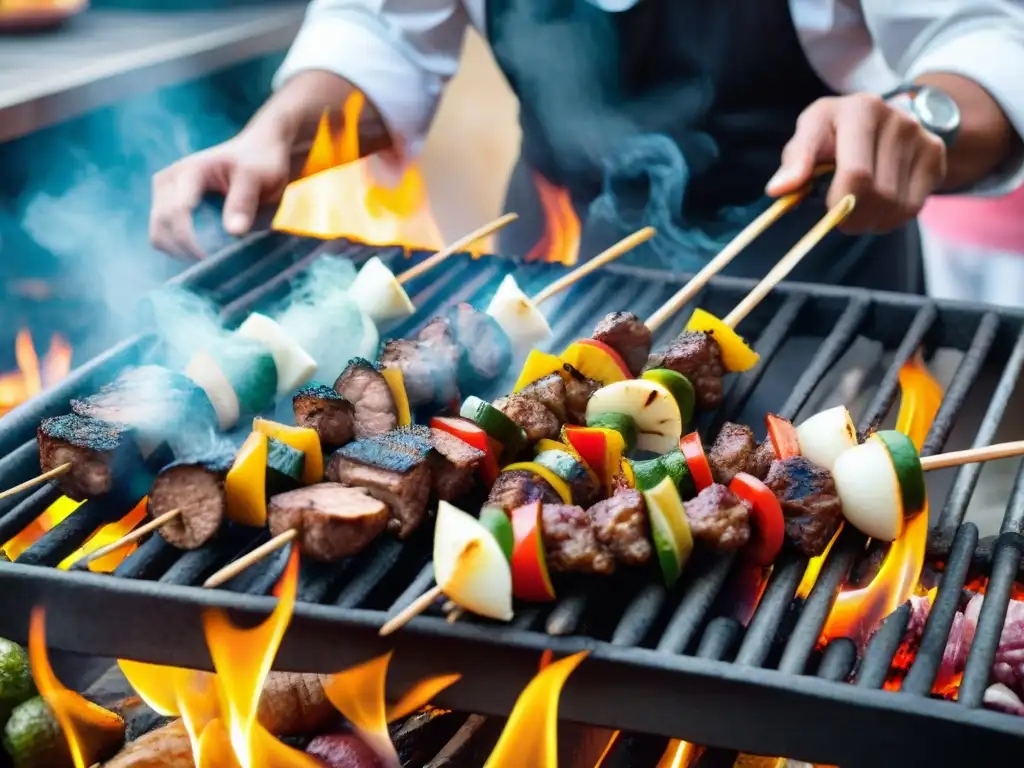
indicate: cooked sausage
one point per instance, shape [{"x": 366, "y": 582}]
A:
[
  {"x": 197, "y": 489},
  {"x": 99, "y": 452}
]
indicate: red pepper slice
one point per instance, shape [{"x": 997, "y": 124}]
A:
[
  {"x": 615, "y": 356},
  {"x": 600, "y": 448},
  {"x": 530, "y": 579},
  {"x": 696, "y": 460},
  {"x": 783, "y": 436},
  {"x": 471, "y": 434},
  {"x": 768, "y": 527}
]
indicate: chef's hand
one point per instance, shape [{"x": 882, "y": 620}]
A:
[
  {"x": 881, "y": 154},
  {"x": 250, "y": 169}
]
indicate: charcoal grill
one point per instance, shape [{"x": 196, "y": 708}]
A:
[{"x": 665, "y": 664}]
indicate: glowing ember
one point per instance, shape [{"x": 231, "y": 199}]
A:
[
  {"x": 47, "y": 520},
  {"x": 530, "y": 736},
  {"x": 88, "y": 728},
  {"x": 108, "y": 534},
  {"x": 680, "y": 754},
  {"x": 32, "y": 377},
  {"x": 560, "y": 243}
]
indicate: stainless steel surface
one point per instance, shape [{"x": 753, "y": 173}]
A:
[{"x": 105, "y": 56}]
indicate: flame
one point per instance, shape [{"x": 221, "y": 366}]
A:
[
  {"x": 88, "y": 728},
  {"x": 680, "y": 754},
  {"x": 108, "y": 534},
  {"x": 530, "y": 736},
  {"x": 857, "y": 612},
  {"x": 560, "y": 243},
  {"x": 47, "y": 520},
  {"x": 32, "y": 377}
]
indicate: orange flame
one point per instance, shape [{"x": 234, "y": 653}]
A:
[
  {"x": 52, "y": 516},
  {"x": 108, "y": 534},
  {"x": 32, "y": 377},
  {"x": 680, "y": 754},
  {"x": 560, "y": 243},
  {"x": 88, "y": 728}
]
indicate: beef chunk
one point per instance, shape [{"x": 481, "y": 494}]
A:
[
  {"x": 374, "y": 407},
  {"x": 428, "y": 374},
  {"x": 626, "y": 334},
  {"x": 698, "y": 357},
  {"x": 517, "y": 487},
  {"x": 333, "y": 521},
  {"x": 484, "y": 349},
  {"x": 100, "y": 453},
  {"x": 327, "y": 413},
  {"x": 732, "y": 452},
  {"x": 719, "y": 518},
  {"x": 809, "y": 502},
  {"x": 762, "y": 459},
  {"x": 570, "y": 543},
  {"x": 578, "y": 389},
  {"x": 620, "y": 524},
  {"x": 453, "y": 465},
  {"x": 197, "y": 489},
  {"x": 549, "y": 391},
  {"x": 536, "y": 420}
]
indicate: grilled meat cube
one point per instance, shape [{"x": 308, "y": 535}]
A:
[
  {"x": 517, "y": 487},
  {"x": 578, "y": 389},
  {"x": 549, "y": 391},
  {"x": 484, "y": 349},
  {"x": 536, "y": 420},
  {"x": 100, "y": 453},
  {"x": 809, "y": 502},
  {"x": 429, "y": 377},
  {"x": 391, "y": 473},
  {"x": 364, "y": 386},
  {"x": 732, "y": 452},
  {"x": 196, "y": 487},
  {"x": 294, "y": 704},
  {"x": 620, "y": 524},
  {"x": 343, "y": 750},
  {"x": 698, "y": 357},
  {"x": 762, "y": 459},
  {"x": 569, "y": 541},
  {"x": 327, "y": 413},
  {"x": 719, "y": 518},
  {"x": 438, "y": 333},
  {"x": 333, "y": 520},
  {"x": 453, "y": 465},
  {"x": 166, "y": 747},
  {"x": 626, "y": 334}
]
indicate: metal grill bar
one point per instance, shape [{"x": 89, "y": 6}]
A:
[{"x": 838, "y": 659}]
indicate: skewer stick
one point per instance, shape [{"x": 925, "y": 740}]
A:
[
  {"x": 229, "y": 571},
  {"x": 463, "y": 242},
  {"x": 624, "y": 245},
  {"x": 411, "y": 611},
  {"x": 133, "y": 536},
  {"x": 806, "y": 244},
  {"x": 971, "y": 455},
  {"x": 38, "y": 480}
]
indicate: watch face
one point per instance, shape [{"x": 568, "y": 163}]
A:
[{"x": 937, "y": 110}]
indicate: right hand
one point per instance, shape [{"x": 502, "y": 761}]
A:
[{"x": 249, "y": 170}]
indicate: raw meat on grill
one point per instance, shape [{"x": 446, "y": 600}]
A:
[
  {"x": 578, "y": 389},
  {"x": 626, "y": 334},
  {"x": 698, "y": 357},
  {"x": 732, "y": 452},
  {"x": 761, "y": 461},
  {"x": 453, "y": 465},
  {"x": 364, "y": 386},
  {"x": 809, "y": 502},
  {"x": 620, "y": 524},
  {"x": 719, "y": 518},
  {"x": 550, "y": 392},
  {"x": 518, "y": 487},
  {"x": 99, "y": 453},
  {"x": 331, "y": 416},
  {"x": 428, "y": 375},
  {"x": 536, "y": 420},
  {"x": 196, "y": 488},
  {"x": 333, "y": 520},
  {"x": 570, "y": 543}
]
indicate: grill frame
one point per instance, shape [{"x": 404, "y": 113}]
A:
[{"x": 716, "y": 693}]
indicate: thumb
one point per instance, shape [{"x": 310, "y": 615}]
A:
[
  {"x": 811, "y": 144},
  {"x": 241, "y": 201}
]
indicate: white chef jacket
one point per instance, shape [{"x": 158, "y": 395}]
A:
[{"x": 400, "y": 53}]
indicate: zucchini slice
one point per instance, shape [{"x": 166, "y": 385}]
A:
[
  {"x": 495, "y": 423},
  {"x": 907, "y": 463}
]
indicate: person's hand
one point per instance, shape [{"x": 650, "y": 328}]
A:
[
  {"x": 881, "y": 154},
  {"x": 248, "y": 170}
]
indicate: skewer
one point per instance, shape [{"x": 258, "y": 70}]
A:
[
  {"x": 458, "y": 245},
  {"x": 232, "y": 569},
  {"x": 37, "y": 480},
  {"x": 133, "y": 536},
  {"x": 411, "y": 611},
  {"x": 973, "y": 455}
]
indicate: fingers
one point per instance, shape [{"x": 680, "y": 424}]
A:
[
  {"x": 176, "y": 193},
  {"x": 242, "y": 200},
  {"x": 857, "y": 129},
  {"x": 812, "y": 142}
]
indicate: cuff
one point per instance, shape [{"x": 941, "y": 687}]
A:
[
  {"x": 403, "y": 93},
  {"x": 995, "y": 61}
]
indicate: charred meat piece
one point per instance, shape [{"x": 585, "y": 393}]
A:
[
  {"x": 429, "y": 376},
  {"x": 374, "y": 407},
  {"x": 484, "y": 349},
  {"x": 166, "y": 747},
  {"x": 578, "y": 389},
  {"x": 569, "y": 541},
  {"x": 732, "y": 452},
  {"x": 294, "y": 704},
  {"x": 197, "y": 489},
  {"x": 626, "y": 334},
  {"x": 327, "y": 413},
  {"x": 390, "y": 472},
  {"x": 453, "y": 465},
  {"x": 518, "y": 487},
  {"x": 549, "y": 391},
  {"x": 719, "y": 518},
  {"x": 809, "y": 502},
  {"x": 620, "y": 524},
  {"x": 100, "y": 453},
  {"x": 698, "y": 357},
  {"x": 333, "y": 520},
  {"x": 343, "y": 750},
  {"x": 762, "y": 460},
  {"x": 536, "y": 420}
]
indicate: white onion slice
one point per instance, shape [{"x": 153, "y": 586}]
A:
[
  {"x": 294, "y": 365},
  {"x": 469, "y": 566},
  {"x": 520, "y": 319},
  {"x": 869, "y": 490},
  {"x": 825, "y": 435},
  {"x": 379, "y": 294}
]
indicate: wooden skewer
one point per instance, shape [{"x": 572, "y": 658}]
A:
[
  {"x": 624, "y": 245},
  {"x": 460, "y": 244},
  {"x": 133, "y": 536},
  {"x": 38, "y": 480},
  {"x": 972, "y": 455},
  {"x": 411, "y": 611},
  {"x": 229, "y": 571}
]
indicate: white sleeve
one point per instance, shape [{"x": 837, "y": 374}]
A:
[
  {"x": 982, "y": 40},
  {"x": 400, "y": 53}
]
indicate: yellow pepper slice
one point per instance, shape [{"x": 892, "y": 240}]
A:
[
  {"x": 627, "y": 473},
  {"x": 396, "y": 383},
  {"x": 301, "y": 439},
  {"x": 538, "y": 365},
  {"x": 550, "y": 445},
  {"x": 245, "y": 485},
  {"x": 736, "y": 353},
  {"x": 561, "y": 487}
]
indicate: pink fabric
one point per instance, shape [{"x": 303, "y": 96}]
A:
[{"x": 993, "y": 222}]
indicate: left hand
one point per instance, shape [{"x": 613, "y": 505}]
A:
[{"x": 881, "y": 153}]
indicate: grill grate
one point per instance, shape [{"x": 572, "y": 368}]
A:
[{"x": 685, "y": 664}]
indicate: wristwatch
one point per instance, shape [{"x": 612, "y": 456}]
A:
[{"x": 933, "y": 108}]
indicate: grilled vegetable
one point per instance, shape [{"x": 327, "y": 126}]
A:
[
  {"x": 396, "y": 383},
  {"x": 679, "y": 386},
  {"x": 656, "y": 413},
  {"x": 34, "y": 739},
  {"x": 697, "y": 461},
  {"x": 470, "y": 566},
  {"x": 518, "y": 316},
  {"x": 538, "y": 365},
  {"x": 907, "y": 463},
  {"x": 736, "y": 353},
  {"x": 473, "y": 435},
  {"x": 379, "y": 294},
  {"x": 16, "y": 683},
  {"x": 530, "y": 578},
  {"x": 301, "y": 439},
  {"x": 496, "y": 520},
  {"x": 496, "y": 424},
  {"x": 583, "y": 482},
  {"x": 825, "y": 435},
  {"x": 246, "y": 481},
  {"x": 783, "y": 435},
  {"x": 294, "y": 365},
  {"x": 869, "y": 488},
  {"x": 596, "y": 361},
  {"x": 768, "y": 528},
  {"x": 600, "y": 448},
  {"x": 670, "y": 530},
  {"x": 620, "y": 422},
  {"x": 549, "y": 445},
  {"x": 560, "y": 486},
  {"x": 238, "y": 375},
  {"x": 649, "y": 473}
]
